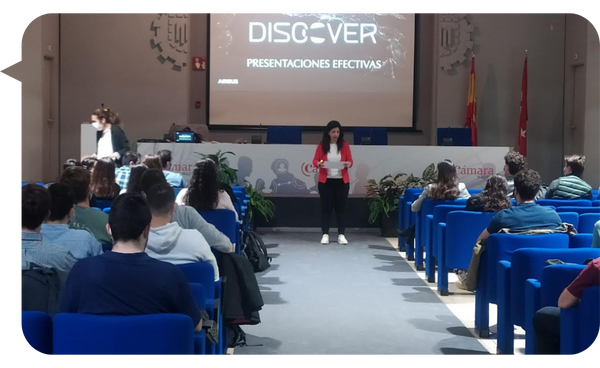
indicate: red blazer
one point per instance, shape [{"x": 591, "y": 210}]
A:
[{"x": 346, "y": 156}]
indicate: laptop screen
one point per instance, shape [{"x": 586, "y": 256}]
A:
[{"x": 184, "y": 137}]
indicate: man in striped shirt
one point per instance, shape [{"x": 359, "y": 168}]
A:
[{"x": 571, "y": 186}]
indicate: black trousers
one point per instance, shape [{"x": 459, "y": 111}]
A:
[
  {"x": 334, "y": 194},
  {"x": 546, "y": 325}
]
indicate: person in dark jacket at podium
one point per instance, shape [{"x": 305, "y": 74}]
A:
[{"x": 111, "y": 141}]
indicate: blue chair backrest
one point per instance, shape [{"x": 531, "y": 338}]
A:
[
  {"x": 528, "y": 263},
  {"x": 474, "y": 191},
  {"x": 570, "y": 218},
  {"x": 581, "y": 240},
  {"x": 579, "y": 325},
  {"x": 596, "y": 203},
  {"x": 284, "y": 134},
  {"x": 176, "y": 191},
  {"x": 500, "y": 247},
  {"x": 76, "y": 333},
  {"x": 106, "y": 210},
  {"x": 201, "y": 273},
  {"x": 579, "y": 210},
  {"x": 103, "y": 203},
  {"x": 595, "y": 194},
  {"x": 223, "y": 220},
  {"x": 587, "y": 222},
  {"x": 37, "y": 329},
  {"x": 378, "y": 136},
  {"x": 564, "y": 202},
  {"x": 439, "y": 215},
  {"x": 555, "y": 279},
  {"x": 199, "y": 293},
  {"x": 428, "y": 205},
  {"x": 462, "y": 230}
]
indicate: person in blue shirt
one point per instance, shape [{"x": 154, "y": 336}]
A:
[
  {"x": 126, "y": 281},
  {"x": 35, "y": 208},
  {"x": 56, "y": 232},
  {"x": 123, "y": 173},
  {"x": 174, "y": 179}
]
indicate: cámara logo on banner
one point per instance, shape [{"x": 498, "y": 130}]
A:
[{"x": 308, "y": 169}]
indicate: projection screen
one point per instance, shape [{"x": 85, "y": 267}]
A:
[{"x": 308, "y": 69}]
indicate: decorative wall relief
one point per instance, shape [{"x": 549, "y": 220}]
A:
[
  {"x": 170, "y": 37},
  {"x": 455, "y": 39}
]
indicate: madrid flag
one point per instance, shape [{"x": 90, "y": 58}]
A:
[
  {"x": 471, "y": 120},
  {"x": 523, "y": 117}
]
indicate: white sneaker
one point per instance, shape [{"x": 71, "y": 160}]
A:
[
  {"x": 342, "y": 239},
  {"x": 325, "y": 239}
]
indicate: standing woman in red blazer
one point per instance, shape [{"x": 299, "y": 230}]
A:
[{"x": 334, "y": 183}]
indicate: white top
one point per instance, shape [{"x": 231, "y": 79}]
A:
[
  {"x": 334, "y": 156},
  {"x": 105, "y": 147},
  {"x": 224, "y": 201}
]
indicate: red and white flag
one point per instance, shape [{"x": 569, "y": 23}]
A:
[
  {"x": 471, "y": 120},
  {"x": 523, "y": 116}
]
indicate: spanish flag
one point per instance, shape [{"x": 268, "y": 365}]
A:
[{"x": 471, "y": 121}]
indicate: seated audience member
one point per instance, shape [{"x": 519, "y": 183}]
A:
[
  {"x": 203, "y": 192},
  {"x": 102, "y": 183},
  {"x": 187, "y": 217},
  {"x": 134, "y": 182},
  {"x": 445, "y": 187},
  {"x": 571, "y": 186},
  {"x": 596, "y": 236},
  {"x": 89, "y": 163},
  {"x": 122, "y": 173},
  {"x": 546, "y": 321},
  {"x": 513, "y": 163},
  {"x": 222, "y": 185},
  {"x": 167, "y": 241},
  {"x": 526, "y": 215},
  {"x": 126, "y": 281},
  {"x": 35, "y": 208},
  {"x": 174, "y": 179},
  {"x": 493, "y": 198},
  {"x": 152, "y": 161},
  {"x": 56, "y": 232},
  {"x": 71, "y": 162},
  {"x": 85, "y": 218}
]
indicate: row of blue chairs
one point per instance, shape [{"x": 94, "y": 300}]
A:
[{"x": 75, "y": 333}]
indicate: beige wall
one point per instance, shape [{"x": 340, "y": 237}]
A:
[{"x": 592, "y": 108}]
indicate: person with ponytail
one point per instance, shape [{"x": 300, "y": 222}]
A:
[
  {"x": 445, "y": 187},
  {"x": 111, "y": 141}
]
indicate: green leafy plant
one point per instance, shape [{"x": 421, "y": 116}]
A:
[
  {"x": 258, "y": 202},
  {"x": 227, "y": 175},
  {"x": 384, "y": 195}
]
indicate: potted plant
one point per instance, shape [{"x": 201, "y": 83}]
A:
[
  {"x": 258, "y": 202},
  {"x": 385, "y": 194}
]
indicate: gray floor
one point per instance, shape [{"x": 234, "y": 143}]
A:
[{"x": 357, "y": 299}]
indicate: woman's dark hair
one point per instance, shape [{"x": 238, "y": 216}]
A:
[
  {"x": 326, "y": 141},
  {"x": 107, "y": 114},
  {"x": 71, "y": 162},
  {"x": 446, "y": 185},
  {"x": 35, "y": 205},
  {"x": 129, "y": 216},
  {"x": 78, "y": 179},
  {"x": 134, "y": 185},
  {"x": 153, "y": 162},
  {"x": 203, "y": 191},
  {"x": 62, "y": 201},
  {"x": 496, "y": 190},
  {"x": 103, "y": 183},
  {"x": 527, "y": 184},
  {"x": 89, "y": 163}
]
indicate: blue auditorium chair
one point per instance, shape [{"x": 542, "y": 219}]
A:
[
  {"x": 579, "y": 210},
  {"x": 106, "y": 210},
  {"x": 587, "y": 222},
  {"x": 564, "y": 202},
  {"x": 370, "y": 136},
  {"x": 579, "y": 324},
  {"x": 176, "y": 191},
  {"x": 199, "y": 294},
  {"x": 474, "y": 191},
  {"x": 544, "y": 292},
  {"x": 76, "y": 333},
  {"x": 224, "y": 221},
  {"x": 580, "y": 240},
  {"x": 37, "y": 329},
  {"x": 103, "y": 203},
  {"x": 203, "y": 273},
  {"x": 596, "y": 203},
  {"x": 431, "y": 222},
  {"x": 595, "y": 194},
  {"x": 456, "y": 239},
  {"x": 406, "y": 218},
  {"x": 526, "y": 263},
  {"x": 284, "y": 135},
  {"x": 500, "y": 247},
  {"x": 570, "y": 218}
]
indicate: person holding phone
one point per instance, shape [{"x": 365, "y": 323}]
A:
[{"x": 333, "y": 158}]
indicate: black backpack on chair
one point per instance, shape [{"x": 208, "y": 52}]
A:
[{"x": 255, "y": 250}]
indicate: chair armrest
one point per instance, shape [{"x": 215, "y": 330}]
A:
[
  {"x": 568, "y": 330},
  {"x": 200, "y": 342},
  {"x": 532, "y": 305}
]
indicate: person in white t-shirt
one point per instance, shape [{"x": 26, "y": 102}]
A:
[
  {"x": 334, "y": 181},
  {"x": 203, "y": 192}
]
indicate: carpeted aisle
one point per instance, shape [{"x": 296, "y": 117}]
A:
[{"x": 357, "y": 299}]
